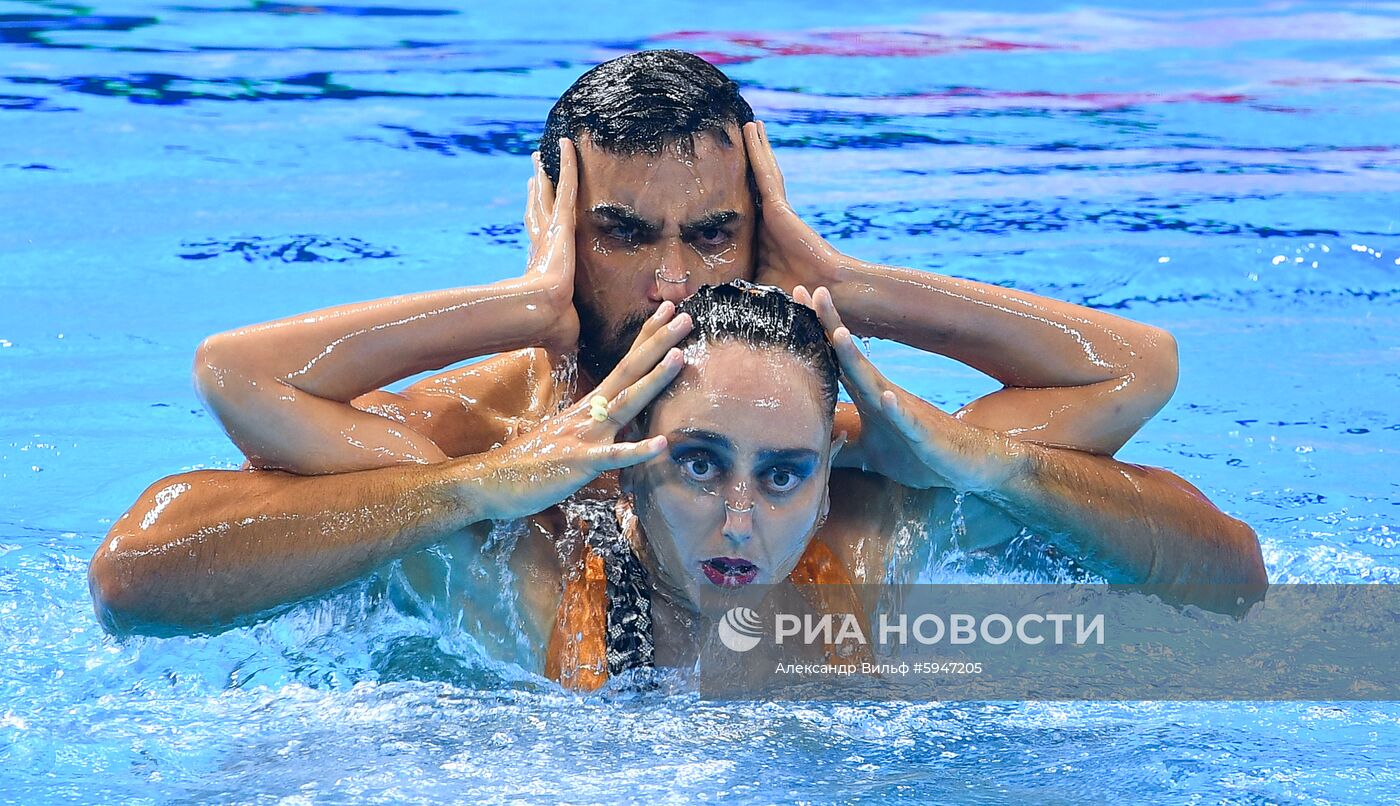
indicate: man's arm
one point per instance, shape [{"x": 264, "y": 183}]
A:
[
  {"x": 201, "y": 550},
  {"x": 263, "y": 533},
  {"x": 283, "y": 390},
  {"x": 1073, "y": 376}
]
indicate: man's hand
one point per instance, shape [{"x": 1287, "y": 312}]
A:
[
  {"x": 572, "y": 448},
  {"x": 549, "y": 221},
  {"x": 790, "y": 253}
]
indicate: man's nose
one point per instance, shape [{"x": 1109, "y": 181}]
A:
[{"x": 674, "y": 277}]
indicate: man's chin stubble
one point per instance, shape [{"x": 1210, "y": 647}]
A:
[{"x": 600, "y": 347}]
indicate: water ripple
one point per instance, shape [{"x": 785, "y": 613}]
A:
[{"x": 287, "y": 249}]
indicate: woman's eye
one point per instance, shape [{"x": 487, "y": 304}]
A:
[
  {"x": 783, "y": 480},
  {"x": 699, "y": 468}
]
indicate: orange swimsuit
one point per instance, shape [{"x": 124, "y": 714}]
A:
[{"x": 577, "y": 652}]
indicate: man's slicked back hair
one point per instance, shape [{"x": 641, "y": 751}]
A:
[{"x": 640, "y": 102}]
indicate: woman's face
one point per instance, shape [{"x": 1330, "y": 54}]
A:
[{"x": 742, "y": 485}]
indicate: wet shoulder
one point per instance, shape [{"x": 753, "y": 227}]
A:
[
  {"x": 876, "y": 524},
  {"x": 488, "y": 402}
]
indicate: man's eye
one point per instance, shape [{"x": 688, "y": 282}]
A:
[
  {"x": 781, "y": 480},
  {"x": 714, "y": 236},
  {"x": 699, "y": 468},
  {"x": 622, "y": 233}
]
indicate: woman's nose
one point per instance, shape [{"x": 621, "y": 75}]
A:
[{"x": 738, "y": 516}]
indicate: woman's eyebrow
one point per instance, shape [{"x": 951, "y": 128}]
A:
[
  {"x": 766, "y": 455},
  {"x": 703, "y": 435},
  {"x": 794, "y": 456}
]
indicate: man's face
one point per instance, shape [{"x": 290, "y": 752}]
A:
[{"x": 654, "y": 227}]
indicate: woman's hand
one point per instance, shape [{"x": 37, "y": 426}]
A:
[
  {"x": 904, "y": 437},
  {"x": 550, "y": 216},
  {"x": 570, "y": 449}
]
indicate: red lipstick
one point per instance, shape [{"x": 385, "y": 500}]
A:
[{"x": 729, "y": 572}]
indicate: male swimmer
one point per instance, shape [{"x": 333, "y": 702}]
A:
[{"x": 653, "y": 180}]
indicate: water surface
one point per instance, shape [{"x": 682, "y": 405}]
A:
[{"x": 172, "y": 170}]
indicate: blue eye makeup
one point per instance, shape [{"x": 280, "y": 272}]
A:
[
  {"x": 782, "y": 480},
  {"x": 697, "y": 465},
  {"x": 705, "y": 457}
]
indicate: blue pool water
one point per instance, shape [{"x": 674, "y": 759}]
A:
[{"x": 172, "y": 170}]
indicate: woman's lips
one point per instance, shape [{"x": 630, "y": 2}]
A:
[{"x": 729, "y": 572}]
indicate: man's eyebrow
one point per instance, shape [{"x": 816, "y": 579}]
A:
[
  {"x": 710, "y": 220},
  {"x": 622, "y": 214}
]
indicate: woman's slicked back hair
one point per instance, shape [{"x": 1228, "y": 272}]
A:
[{"x": 763, "y": 316}]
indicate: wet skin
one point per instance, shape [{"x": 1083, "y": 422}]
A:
[
  {"x": 747, "y": 475},
  {"x": 654, "y": 227},
  {"x": 744, "y": 476},
  {"x": 1074, "y": 377}
]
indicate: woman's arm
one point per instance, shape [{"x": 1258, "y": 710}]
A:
[
  {"x": 1130, "y": 523},
  {"x": 282, "y": 389}
]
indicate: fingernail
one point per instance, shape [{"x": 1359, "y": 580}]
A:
[
  {"x": 680, "y": 322},
  {"x": 662, "y": 310}
]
